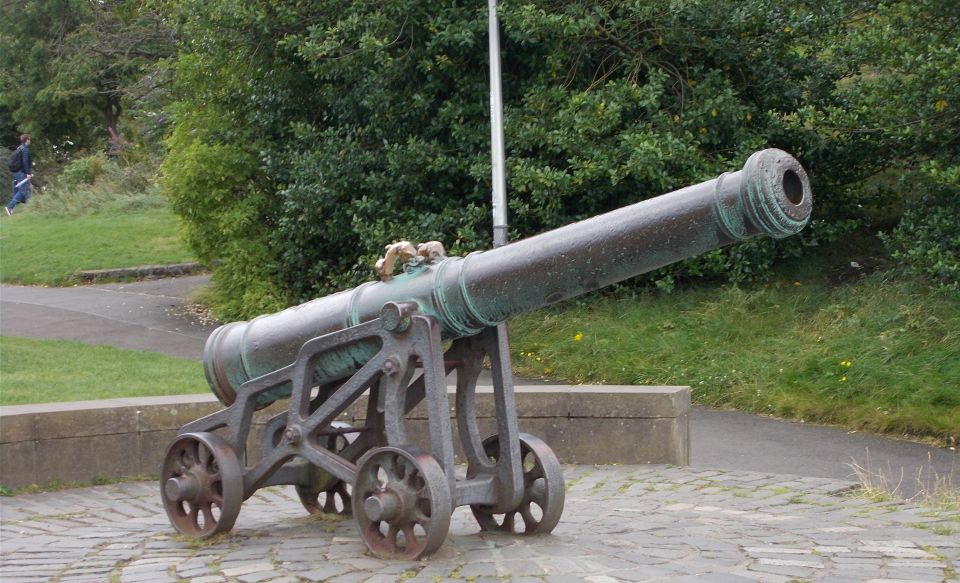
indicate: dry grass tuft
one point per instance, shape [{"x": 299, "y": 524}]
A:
[{"x": 936, "y": 491}]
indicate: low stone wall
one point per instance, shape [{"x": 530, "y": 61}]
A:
[
  {"x": 143, "y": 272},
  {"x": 114, "y": 438}
]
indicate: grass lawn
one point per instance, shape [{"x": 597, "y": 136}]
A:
[
  {"x": 47, "y": 371},
  {"x": 47, "y": 250},
  {"x": 879, "y": 354}
]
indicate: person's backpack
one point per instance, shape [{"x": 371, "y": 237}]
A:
[{"x": 16, "y": 160}]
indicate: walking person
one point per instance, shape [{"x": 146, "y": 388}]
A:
[{"x": 21, "y": 164}]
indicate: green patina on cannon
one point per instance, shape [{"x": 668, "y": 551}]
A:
[{"x": 387, "y": 337}]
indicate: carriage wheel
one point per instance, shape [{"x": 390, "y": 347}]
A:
[
  {"x": 402, "y": 502},
  {"x": 201, "y": 484},
  {"x": 543, "y": 490},
  {"x": 321, "y": 493}
]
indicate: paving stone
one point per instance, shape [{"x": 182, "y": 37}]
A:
[
  {"x": 322, "y": 572},
  {"x": 257, "y": 577},
  {"x": 640, "y": 523},
  {"x": 354, "y": 577},
  {"x": 236, "y": 571},
  {"x": 561, "y": 578},
  {"x": 713, "y": 578},
  {"x": 787, "y": 571}
]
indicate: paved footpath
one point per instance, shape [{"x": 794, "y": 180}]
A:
[{"x": 621, "y": 523}]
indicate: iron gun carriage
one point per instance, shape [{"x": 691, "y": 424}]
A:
[{"x": 387, "y": 339}]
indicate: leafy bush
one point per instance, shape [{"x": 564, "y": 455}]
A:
[
  {"x": 370, "y": 123},
  {"x": 360, "y": 123},
  {"x": 927, "y": 239},
  {"x": 83, "y": 171},
  {"x": 95, "y": 184},
  {"x": 222, "y": 199}
]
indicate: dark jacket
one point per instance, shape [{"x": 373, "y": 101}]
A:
[{"x": 26, "y": 161}]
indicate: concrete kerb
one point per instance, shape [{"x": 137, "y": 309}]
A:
[
  {"x": 142, "y": 272},
  {"x": 84, "y": 441}
]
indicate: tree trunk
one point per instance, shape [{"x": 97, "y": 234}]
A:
[{"x": 111, "y": 116}]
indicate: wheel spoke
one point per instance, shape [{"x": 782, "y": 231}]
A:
[
  {"x": 392, "y": 532},
  {"x": 330, "y": 501},
  {"x": 369, "y": 479},
  {"x": 409, "y": 479},
  {"x": 194, "y": 514},
  {"x": 537, "y": 492},
  {"x": 410, "y": 538},
  {"x": 529, "y": 521},
  {"x": 209, "y": 521},
  {"x": 204, "y": 456},
  {"x": 423, "y": 493},
  {"x": 423, "y": 509},
  {"x": 183, "y": 463},
  {"x": 388, "y": 465},
  {"x": 534, "y": 473},
  {"x": 193, "y": 453},
  {"x": 509, "y": 521},
  {"x": 399, "y": 470},
  {"x": 371, "y": 531}
]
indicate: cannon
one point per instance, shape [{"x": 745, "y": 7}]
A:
[{"x": 398, "y": 339}]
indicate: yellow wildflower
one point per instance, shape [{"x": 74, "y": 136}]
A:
[
  {"x": 843, "y": 379},
  {"x": 578, "y": 337},
  {"x": 787, "y": 29}
]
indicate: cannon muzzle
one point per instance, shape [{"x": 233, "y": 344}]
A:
[{"x": 770, "y": 196}]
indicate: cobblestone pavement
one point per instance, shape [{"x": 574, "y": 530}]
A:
[{"x": 623, "y": 523}]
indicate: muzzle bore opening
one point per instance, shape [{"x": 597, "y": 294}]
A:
[{"x": 793, "y": 187}]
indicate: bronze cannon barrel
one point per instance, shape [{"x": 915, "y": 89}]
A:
[{"x": 770, "y": 196}]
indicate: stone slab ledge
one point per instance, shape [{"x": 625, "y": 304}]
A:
[
  {"x": 84, "y": 440},
  {"x": 142, "y": 272}
]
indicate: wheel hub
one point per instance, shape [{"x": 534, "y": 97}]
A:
[
  {"x": 386, "y": 505},
  {"x": 185, "y": 487}
]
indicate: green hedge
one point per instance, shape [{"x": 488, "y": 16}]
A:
[{"x": 308, "y": 135}]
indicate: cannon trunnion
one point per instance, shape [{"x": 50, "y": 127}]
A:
[{"x": 387, "y": 338}]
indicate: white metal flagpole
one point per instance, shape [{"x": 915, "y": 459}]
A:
[{"x": 500, "y": 233}]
